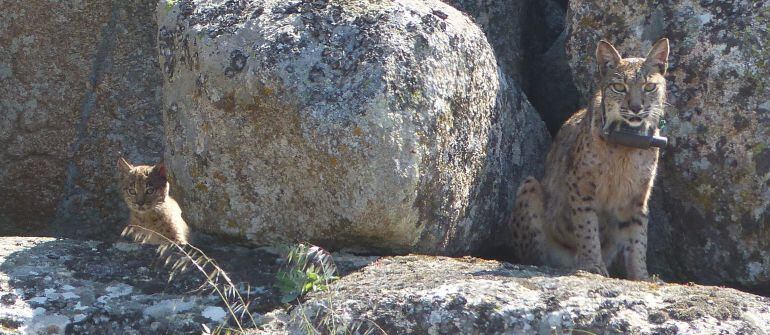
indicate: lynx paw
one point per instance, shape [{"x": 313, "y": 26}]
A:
[{"x": 599, "y": 269}]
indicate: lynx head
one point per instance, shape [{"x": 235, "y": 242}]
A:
[
  {"x": 633, "y": 89},
  {"x": 143, "y": 186}
]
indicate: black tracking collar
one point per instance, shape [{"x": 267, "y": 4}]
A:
[{"x": 621, "y": 133}]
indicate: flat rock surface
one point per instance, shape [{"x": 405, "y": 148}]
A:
[
  {"x": 87, "y": 287},
  {"x": 55, "y": 286},
  {"x": 436, "y": 295}
]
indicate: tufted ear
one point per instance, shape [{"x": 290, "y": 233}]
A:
[
  {"x": 160, "y": 169},
  {"x": 607, "y": 57},
  {"x": 657, "y": 58},
  {"x": 124, "y": 166}
]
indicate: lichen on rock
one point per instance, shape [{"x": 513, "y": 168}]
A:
[
  {"x": 370, "y": 125},
  {"x": 436, "y": 295}
]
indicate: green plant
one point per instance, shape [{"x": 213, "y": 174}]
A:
[
  {"x": 183, "y": 257},
  {"x": 308, "y": 268},
  {"x": 170, "y": 4}
]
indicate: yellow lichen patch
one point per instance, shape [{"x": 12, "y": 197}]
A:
[
  {"x": 220, "y": 177},
  {"x": 201, "y": 187},
  {"x": 587, "y": 21},
  {"x": 357, "y": 131},
  {"x": 232, "y": 224}
]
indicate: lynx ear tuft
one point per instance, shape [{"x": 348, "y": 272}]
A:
[
  {"x": 124, "y": 166},
  {"x": 657, "y": 58},
  {"x": 161, "y": 170},
  {"x": 607, "y": 57}
]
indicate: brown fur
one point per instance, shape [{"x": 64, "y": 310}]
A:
[
  {"x": 592, "y": 202},
  {"x": 145, "y": 190}
]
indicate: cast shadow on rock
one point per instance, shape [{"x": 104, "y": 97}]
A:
[{"x": 99, "y": 287}]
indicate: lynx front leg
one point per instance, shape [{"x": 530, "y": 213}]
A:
[
  {"x": 526, "y": 223},
  {"x": 635, "y": 252},
  {"x": 586, "y": 223}
]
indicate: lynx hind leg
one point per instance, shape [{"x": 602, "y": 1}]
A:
[{"x": 527, "y": 223}]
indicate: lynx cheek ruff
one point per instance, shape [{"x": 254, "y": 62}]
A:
[{"x": 624, "y": 135}]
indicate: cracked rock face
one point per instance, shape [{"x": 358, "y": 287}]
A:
[
  {"x": 74, "y": 95},
  {"x": 435, "y": 295},
  {"x": 377, "y": 125},
  {"x": 713, "y": 189}
]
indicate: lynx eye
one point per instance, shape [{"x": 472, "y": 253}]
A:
[
  {"x": 650, "y": 87},
  {"x": 131, "y": 191},
  {"x": 149, "y": 190},
  {"x": 618, "y": 88}
]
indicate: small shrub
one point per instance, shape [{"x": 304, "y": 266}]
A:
[{"x": 308, "y": 268}]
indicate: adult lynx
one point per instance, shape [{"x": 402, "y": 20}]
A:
[{"x": 592, "y": 202}]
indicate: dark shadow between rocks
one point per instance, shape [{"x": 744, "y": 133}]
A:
[{"x": 547, "y": 76}]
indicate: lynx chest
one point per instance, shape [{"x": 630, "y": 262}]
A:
[{"x": 624, "y": 180}]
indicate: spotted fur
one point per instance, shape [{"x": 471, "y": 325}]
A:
[
  {"x": 591, "y": 205},
  {"x": 145, "y": 190}
]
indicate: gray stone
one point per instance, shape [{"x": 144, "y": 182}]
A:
[
  {"x": 54, "y": 286},
  {"x": 370, "y": 125},
  {"x": 80, "y": 85},
  {"x": 713, "y": 186},
  {"x": 528, "y": 38},
  {"x": 436, "y": 295},
  {"x": 505, "y": 25},
  {"x": 58, "y": 286}
]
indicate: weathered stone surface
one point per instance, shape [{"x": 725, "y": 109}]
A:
[
  {"x": 380, "y": 125},
  {"x": 427, "y": 295},
  {"x": 528, "y": 39},
  {"x": 80, "y": 84},
  {"x": 714, "y": 183},
  {"x": 504, "y": 24},
  {"x": 87, "y": 287}
]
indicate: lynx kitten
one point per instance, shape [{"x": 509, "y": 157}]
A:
[
  {"x": 591, "y": 205},
  {"x": 145, "y": 190}
]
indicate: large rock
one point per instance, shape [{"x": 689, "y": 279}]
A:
[
  {"x": 80, "y": 84},
  {"x": 505, "y": 25},
  {"x": 714, "y": 183},
  {"x": 377, "y": 125},
  {"x": 528, "y": 38},
  {"x": 425, "y": 295}
]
